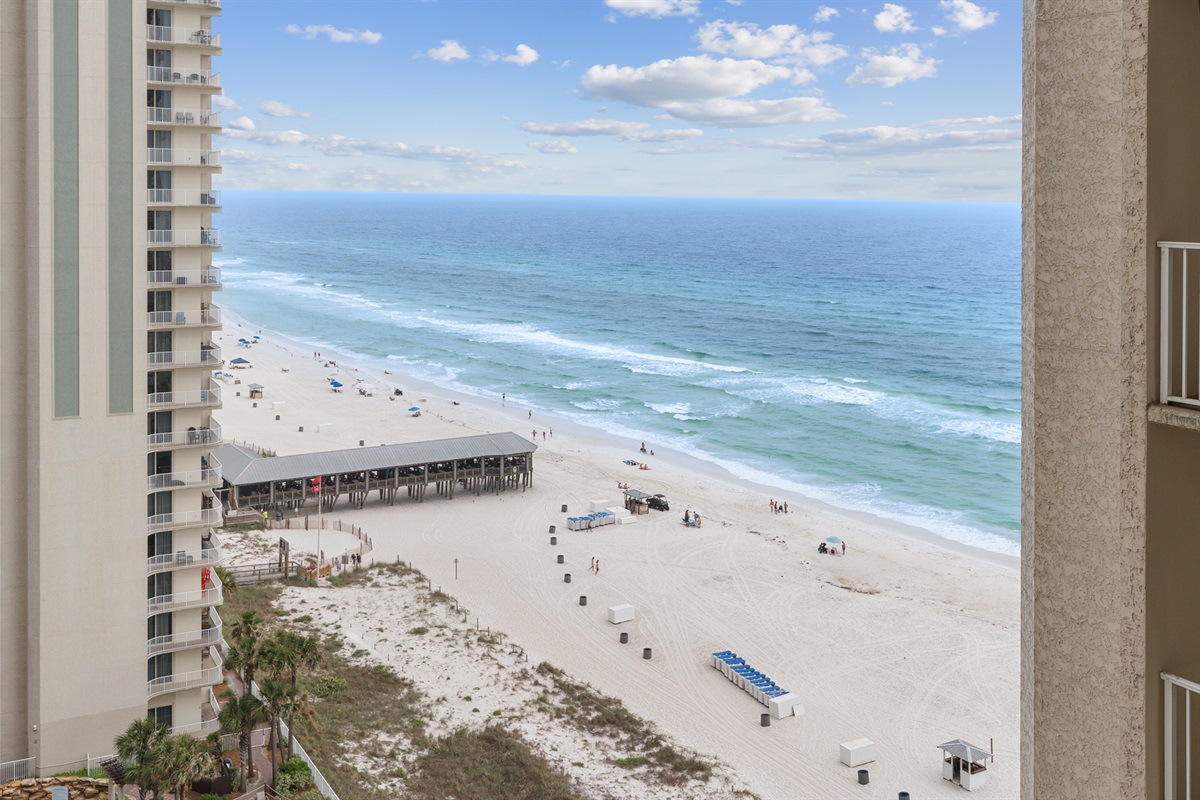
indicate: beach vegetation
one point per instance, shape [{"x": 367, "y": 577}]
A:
[
  {"x": 632, "y": 762},
  {"x": 420, "y": 630},
  {"x": 488, "y": 764}
]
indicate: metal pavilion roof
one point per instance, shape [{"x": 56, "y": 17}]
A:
[
  {"x": 241, "y": 466},
  {"x": 965, "y": 750}
]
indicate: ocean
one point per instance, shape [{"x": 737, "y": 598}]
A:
[{"x": 862, "y": 353}]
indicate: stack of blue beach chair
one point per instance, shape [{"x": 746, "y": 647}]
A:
[
  {"x": 756, "y": 684},
  {"x": 591, "y": 521}
]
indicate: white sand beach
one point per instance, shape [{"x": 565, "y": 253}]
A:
[{"x": 908, "y": 639}]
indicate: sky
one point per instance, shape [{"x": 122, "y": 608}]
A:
[{"x": 918, "y": 100}]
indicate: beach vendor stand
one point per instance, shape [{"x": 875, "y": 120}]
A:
[
  {"x": 256, "y": 391},
  {"x": 963, "y": 763},
  {"x": 637, "y": 501}
]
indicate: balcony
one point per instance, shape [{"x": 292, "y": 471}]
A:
[
  {"x": 173, "y": 197},
  {"x": 209, "y": 721},
  {"x": 202, "y": 318},
  {"x": 204, "y": 357},
  {"x": 191, "y": 479},
  {"x": 205, "y": 237},
  {"x": 177, "y": 157},
  {"x": 182, "y": 76},
  {"x": 195, "y": 398},
  {"x": 186, "y": 559},
  {"x": 1179, "y": 736},
  {"x": 195, "y": 118},
  {"x": 178, "y": 601},
  {"x": 177, "y": 520},
  {"x": 209, "y": 278},
  {"x": 157, "y": 34},
  {"x": 188, "y": 640},
  {"x": 193, "y": 437},
  {"x": 210, "y": 6},
  {"x": 208, "y": 676}
]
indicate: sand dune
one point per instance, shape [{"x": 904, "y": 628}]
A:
[{"x": 907, "y": 640}]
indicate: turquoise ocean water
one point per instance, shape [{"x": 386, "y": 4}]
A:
[{"x": 864, "y": 353}]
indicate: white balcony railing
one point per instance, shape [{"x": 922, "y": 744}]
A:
[
  {"x": 178, "y": 601},
  {"x": 193, "y": 437},
  {"x": 208, "y": 278},
  {"x": 200, "y": 318},
  {"x": 177, "y": 520},
  {"x": 1178, "y": 783},
  {"x": 194, "y": 398},
  {"x": 188, "y": 479},
  {"x": 178, "y": 157},
  {"x": 209, "y": 718},
  {"x": 204, "y": 357},
  {"x": 178, "y": 197},
  {"x": 208, "y": 676},
  {"x": 197, "y": 118},
  {"x": 183, "y": 76},
  {"x": 212, "y": 5},
  {"x": 1179, "y": 324},
  {"x": 185, "y": 559},
  {"x": 188, "y": 640},
  {"x": 205, "y": 237},
  {"x": 195, "y": 36}
]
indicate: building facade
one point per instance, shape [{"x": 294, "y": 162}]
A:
[
  {"x": 108, "y": 594},
  {"x": 1111, "y": 442}
]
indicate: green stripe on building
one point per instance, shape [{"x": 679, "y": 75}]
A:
[
  {"x": 120, "y": 208},
  {"x": 66, "y": 208}
]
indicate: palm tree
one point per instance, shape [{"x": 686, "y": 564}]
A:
[
  {"x": 241, "y": 715},
  {"x": 183, "y": 759},
  {"x": 278, "y": 697},
  {"x": 245, "y": 651},
  {"x": 136, "y": 747},
  {"x": 286, "y": 654}
]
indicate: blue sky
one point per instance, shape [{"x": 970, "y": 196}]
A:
[{"x": 757, "y": 98}]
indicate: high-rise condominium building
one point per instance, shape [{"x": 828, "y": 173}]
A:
[
  {"x": 108, "y": 593},
  {"x": 1111, "y": 445}
]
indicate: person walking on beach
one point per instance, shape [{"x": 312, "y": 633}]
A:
[
  {"x": 772, "y": 506},
  {"x": 843, "y": 548},
  {"x": 543, "y": 436},
  {"x": 597, "y": 566},
  {"x": 535, "y": 435},
  {"x": 531, "y": 413},
  {"x": 503, "y": 398},
  {"x": 552, "y": 433},
  {"x": 785, "y": 507}
]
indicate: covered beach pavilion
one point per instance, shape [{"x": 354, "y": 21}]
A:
[
  {"x": 493, "y": 462},
  {"x": 963, "y": 763}
]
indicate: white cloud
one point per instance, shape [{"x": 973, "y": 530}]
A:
[
  {"x": 734, "y": 2},
  {"x": 894, "y": 18},
  {"x": 625, "y": 130},
  {"x": 702, "y": 89},
  {"x": 988, "y": 120},
  {"x": 262, "y": 161},
  {"x": 274, "y": 108},
  {"x": 555, "y": 147},
  {"x": 825, "y": 13},
  {"x": 784, "y": 43},
  {"x": 884, "y": 140},
  {"x": 938, "y": 30},
  {"x": 967, "y": 16},
  {"x": 655, "y": 9},
  {"x": 524, "y": 56},
  {"x": 899, "y": 64},
  {"x": 221, "y": 101},
  {"x": 241, "y": 124},
  {"x": 336, "y": 35},
  {"x": 450, "y": 50}
]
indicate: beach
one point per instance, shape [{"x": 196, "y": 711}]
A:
[{"x": 908, "y": 639}]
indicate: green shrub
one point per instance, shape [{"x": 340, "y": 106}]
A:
[
  {"x": 420, "y": 630},
  {"x": 312, "y": 794},
  {"x": 293, "y": 776},
  {"x": 327, "y": 686},
  {"x": 211, "y": 797},
  {"x": 630, "y": 763},
  {"x": 304, "y": 618}
]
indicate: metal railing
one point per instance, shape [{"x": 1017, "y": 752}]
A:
[
  {"x": 210, "y": 198},
  {"x": 195, "y": 117},
  {"x": 1179, "y": 324},
  {"x": 318, "y": 779},
  {"x": 207, "y": 676},
  {"x": 186, "y": 559},
  {"x": 178, "y": 601},
  {"x": 196, "y": 36},
  {"x": 195, "y": 437},
  {"x": 165, "y": 278},
  {"x": 18, "y": 770},
  {"x": 184, "y": 319},
  {"x": 177, "y": 520},
  {"x": 183, "y": 76},
  {"x": 178, "y": 157},
  {"x": 204, "y": 357},
  {"x": 1173, "y": 780},
  {"x": 212, "y": 4},
  {"x": 189, "y": 479},
  {"x": 205, "y": 637},
  {"x": 195, "y": 398},
  {"x": 205, "y": 237}
]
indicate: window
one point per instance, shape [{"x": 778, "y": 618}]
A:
[
  {"x": 158, "y": 667},
  {"x": 158, "y": 585},
  {"x": 161, "y": 715},
  {"x": 159, "y": 422},
  {"x": 160, "y": 625},
  {"x": 159, "y": 261},
  {"x": 158, "y": 383},
  {"x": 159, "y": 544},
  {"x": 158, "y": 503}
]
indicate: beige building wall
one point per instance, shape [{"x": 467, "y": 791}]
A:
[{"x": 1110, "y": 509}]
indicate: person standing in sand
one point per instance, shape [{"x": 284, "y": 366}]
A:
[
  {"x": 597, "y": 566},
  {"x": 843, "y": 548}
]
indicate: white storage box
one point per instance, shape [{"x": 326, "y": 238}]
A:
[
  {"x": 600, "y": 505},
  {"x": 621, "y": 613},
  {"x": 324, "y": 427},
  {"x": 857, "y": 751},
  {"x": 789, "y": 705}
]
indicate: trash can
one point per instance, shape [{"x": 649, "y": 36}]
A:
[
  {"x": 560, "y": 558},
  {"x": 553, "y": 540},
  {"x": 552, "y": 528},
  {"x": 564, "y": 508},
  {"x": 646, "y": 653},
  {"x": 764, "y": 720},
  {"x": 583, "y": 599},
  {"x": 624, "y": 638},
  {"x": 567, "y": 578},
  {"x": 864, "y": 777},
  {"x": 904, "y": 796}
]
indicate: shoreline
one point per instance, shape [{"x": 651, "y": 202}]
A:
[{"x": 580, "y": 429}]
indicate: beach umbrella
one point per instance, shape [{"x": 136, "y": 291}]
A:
[
  {"x": 415, "y": 408},
  {"x": 239, "y": 361},
  {"x": 335, "y": 384},
  {"x": 833, "y": 540},
  {"x": 255, "y": 337}
]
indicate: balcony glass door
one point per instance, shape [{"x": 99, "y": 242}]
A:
[
  {"x": 158, "y": 585},
  {"x": 158, "y": 667}
]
